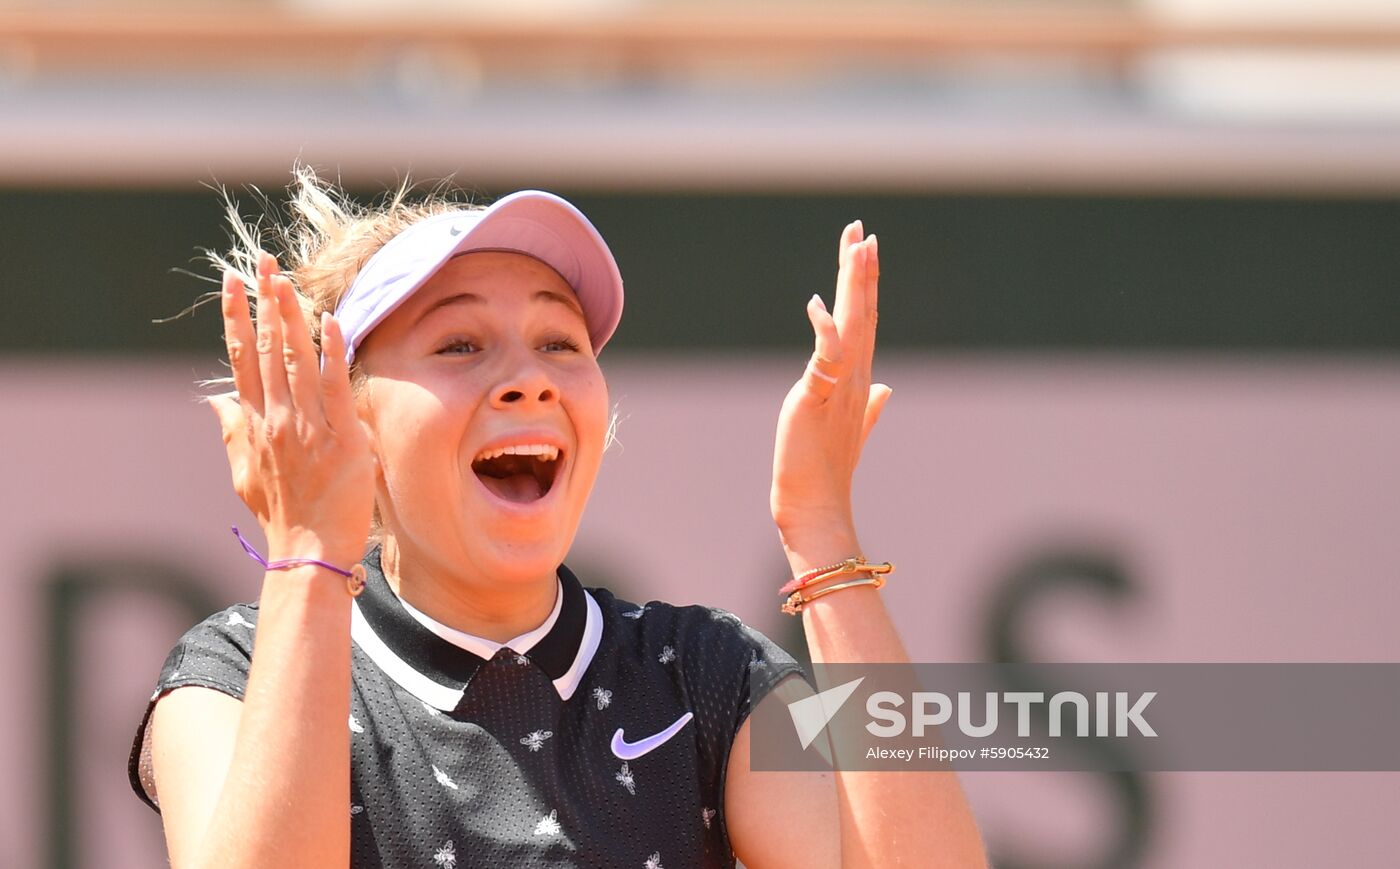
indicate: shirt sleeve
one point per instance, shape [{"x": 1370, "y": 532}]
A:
[
  {"x": 216, "y": 653},
  {"x": 764, "y": 665},
  {"x": 730, "y": 668}
]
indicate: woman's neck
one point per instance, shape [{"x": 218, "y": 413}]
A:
[{"x": 493, "y": 611}]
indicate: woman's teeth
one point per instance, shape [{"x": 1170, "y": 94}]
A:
[
  {"x": 545, "y": 452},
  {"x": 520, "y": 472}
]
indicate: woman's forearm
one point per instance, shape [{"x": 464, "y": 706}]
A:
[
  {"x": 286, "y": 799},
  {"x": 887, "y": 818}
]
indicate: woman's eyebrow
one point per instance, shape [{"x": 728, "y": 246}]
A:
[
  {"x": 567, "y": 301},
  {"x": 448, "y": 300}
]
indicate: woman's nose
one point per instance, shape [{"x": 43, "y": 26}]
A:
[{"x": 525, "y": 381}]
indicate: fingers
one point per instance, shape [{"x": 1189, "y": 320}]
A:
[
  {"x": 850, "y": 326},
  {"x": 874, "y": 405},
  {"x": 872, "y": 272},
  {"x": 861, "y": 340},
  {"x": 230, "y": 415},
  {"x": 857, "y": 294},
  {"x": 241, "y": 344},
  {"x": 827, "y": 365},
  {"x": 849, "y": 307},
  {"x": 854, "y": 232},
  {"x": 242, "y": 458},
  {"x": 298, "y": 353},
  {"x": 276, "y": 393},
  {"x": 335, "y": 378},
  {"x": 872, "y": 287}
]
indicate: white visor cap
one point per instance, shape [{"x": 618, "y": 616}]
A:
[{"x": 530, "y": 222}]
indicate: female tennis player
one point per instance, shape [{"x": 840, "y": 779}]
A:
[{"x": 418, "y": 421}]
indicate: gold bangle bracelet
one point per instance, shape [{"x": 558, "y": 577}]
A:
[
  {"x": 795, "y": 602},
  {"x": 853, "y": 566}
]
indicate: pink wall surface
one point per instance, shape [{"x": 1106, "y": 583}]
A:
[{"x": 1249, "y": 505}]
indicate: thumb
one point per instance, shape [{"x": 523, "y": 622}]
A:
[
  {"x": 874, "y": 406},
  {"x": 230, "y": 415}
]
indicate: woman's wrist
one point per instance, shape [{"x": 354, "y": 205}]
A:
[
  {"x": 307, "y": 544},
  {"x": 307, "y": 576},
  {"x": 309, "y": 562},
  {"x": 812, "y": 547}
]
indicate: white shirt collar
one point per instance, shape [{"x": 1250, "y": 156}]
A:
[{"x": 480, "y": 646}]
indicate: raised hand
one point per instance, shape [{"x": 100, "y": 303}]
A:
[
  {"x": 299, "y": 457},
  {"x": 830, "y": 411}
]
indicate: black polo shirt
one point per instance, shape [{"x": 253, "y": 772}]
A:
[{"x": 599, "y": 739}]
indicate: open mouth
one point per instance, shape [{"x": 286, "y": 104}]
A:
[{"x": 520, "y": 474}]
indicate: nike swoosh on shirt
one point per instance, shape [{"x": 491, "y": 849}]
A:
[{"x": 625, "y": 750}]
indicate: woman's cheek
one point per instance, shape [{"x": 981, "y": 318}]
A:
[
  {"x": 594, "y": 440},
  {"x": 410, "y": 466}
]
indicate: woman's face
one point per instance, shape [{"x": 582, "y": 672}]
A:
[{"x": 488, "y": 358}]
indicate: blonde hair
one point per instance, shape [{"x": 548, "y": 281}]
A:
[
  {"x": 326, "y": 238},
  {"x": 322, "y": 244}
]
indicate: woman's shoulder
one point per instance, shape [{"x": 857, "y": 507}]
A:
[
  {"x": 691, "y": 634},
  {"x": 663, "y": 614},
  {"x": 231, "y": 627},
  {"x": 216, "y": 652}
]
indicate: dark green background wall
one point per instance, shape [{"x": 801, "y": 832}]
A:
[{"x": 87, "y": 271}]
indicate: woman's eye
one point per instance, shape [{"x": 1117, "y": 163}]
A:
[
  {"x": 456, "y": 347},
  {"x": 462, "y": 347}
]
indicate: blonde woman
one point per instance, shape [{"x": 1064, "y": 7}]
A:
[{"x": 418, "y": 421}]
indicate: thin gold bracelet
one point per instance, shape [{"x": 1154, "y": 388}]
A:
[
  {"x": 853, "y": 566},
  {"x": 795, "y": 602}
]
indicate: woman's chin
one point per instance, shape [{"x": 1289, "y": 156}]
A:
[{"x": 522, "y": 558}]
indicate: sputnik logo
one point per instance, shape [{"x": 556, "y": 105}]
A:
[{"x": 811, "y": 715}]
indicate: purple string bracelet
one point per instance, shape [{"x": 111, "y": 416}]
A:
[{"x": 355, "y": 575}]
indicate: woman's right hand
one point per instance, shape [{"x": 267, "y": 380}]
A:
[{"x": 299, "y": 455}]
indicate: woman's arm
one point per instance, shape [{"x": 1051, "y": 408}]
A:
[
  {"x": 266, "y": 782},
  {"x": 812, "y": 820},
  {"x": 883, "y": 818},
  {"x": 886, "y": 818},
  {"x": 781, "y": 819}
]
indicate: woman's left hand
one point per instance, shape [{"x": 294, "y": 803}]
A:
[{"x": 829, "y": 413}]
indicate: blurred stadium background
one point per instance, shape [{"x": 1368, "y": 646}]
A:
[{"x": 1141, "y": 261}]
